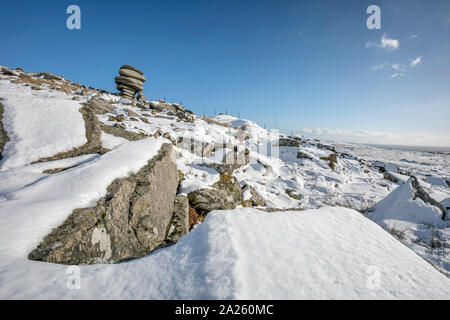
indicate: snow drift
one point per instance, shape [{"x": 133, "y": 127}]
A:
[{"x": 328, "y": 253}]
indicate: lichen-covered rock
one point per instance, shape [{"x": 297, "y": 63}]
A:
[
  {"x": 287, "y": 142},
  {"x": 254, "y": 199},
  {"x": 179, "y": 223},
  {"x": 223, "y": 195},
  {"x": 100, "y": 106},
  {"x": 232, "y": 160},
  {"x": 129, "y": 222}
]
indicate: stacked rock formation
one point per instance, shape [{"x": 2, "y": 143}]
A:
[{"x": 130, "y": 82}]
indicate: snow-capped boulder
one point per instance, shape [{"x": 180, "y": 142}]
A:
[
  {"x": 409, "y": 203},
  {"x": 129, "y": 222}
]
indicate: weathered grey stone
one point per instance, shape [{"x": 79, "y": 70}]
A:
[
  {"x": 287, "y": 142},
  {"x": 7, "y": 72},
  {"x": 256, "y": 200},
  {"x": 3, "y": 136},
  {"x": 50, "y": 76},
  {"x": 419, "y": 192},
  {"x": 224, "y": 194},
  {"x": 293, "y": 194},
  {"x": 231, "y": 161},
  {"x": 121, "y": 132},
  {"x": 127, "y": 66},
  {"x": 129, "y": 82},
  {"x": 179, "y": 223},
  {"x": 129, "y": 222},
  {"x": 302, "y": 155},
  {"x": 132, "y": 74},
  {"x": 100, "y": 106}
]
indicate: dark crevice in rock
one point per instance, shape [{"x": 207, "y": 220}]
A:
[
  {"x": 3, "y": 136},
  {"x": 128, "y": 222}
]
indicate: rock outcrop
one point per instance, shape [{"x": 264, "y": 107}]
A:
[
  {"x": 3, "y": 136},
  {"x": 223, "y": 195},
  {"x": 130, "y": 82},
  {"x": 129, "y": 222}
]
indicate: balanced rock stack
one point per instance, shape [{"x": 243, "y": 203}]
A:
[{"x": 130, "y": 82}]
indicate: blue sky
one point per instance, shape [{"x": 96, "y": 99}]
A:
[{"x": 311, "y": 67}]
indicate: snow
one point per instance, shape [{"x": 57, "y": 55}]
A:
[
  {"x": 28, "y": 214},
  {"x": 315, "y": 250},
  {"x": 417, "y": 224},
  {"x": 328, "y": 253},
  {"x": 39, "y": 124}
]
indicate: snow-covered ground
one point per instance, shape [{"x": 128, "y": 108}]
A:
[
  {"x": 40, "y": 124},
  {"x": 316, "y": 250},
  {"x": 328, "y": 253}
]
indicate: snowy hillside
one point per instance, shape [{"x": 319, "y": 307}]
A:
[{"x": 67, "y": 149}]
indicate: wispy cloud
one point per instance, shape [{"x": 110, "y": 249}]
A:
[
  {"x": 395, "y": 75},
  {"x": 414, "y": 36},
  {"x": 385, "y": 43},
  {"x": 398, "y": 69}
]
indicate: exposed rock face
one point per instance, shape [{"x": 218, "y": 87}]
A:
[
  {"x": 287, "y": 142},
  {"x": 50, "y": 76},
  {"x": 6, "y": 71},
  {"x": 255, "y": 199},
  {"x": 179, "y": 223},
  {"x": 100, "y": 106},
  {"x": 3, "y": 136},
  {"x": 119, "y": 131},
  {"x": 224, "y": 194},
  {"x": 302, "y": 155},
  {"x": 130, "y": 82},
  {"x": 232, "y": 160},
  {"x": 129, "y": 222}
]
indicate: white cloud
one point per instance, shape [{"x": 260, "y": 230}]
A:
[
  {"x": 395, "y": 75},
  {"x": 375, "y": 137},
  {"x": 416, "y": 61},
  {"x": 385, "y": 43},
  {"x": 414, "y": 36},
  {"x": 398, "y": 69}
]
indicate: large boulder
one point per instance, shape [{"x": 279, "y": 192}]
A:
[
  {"x": 132, "y": 74},
  {"x": 100, "y": 106},
  {"x": 129, "y": 222},
  {"x": 223, "y": 195}
]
